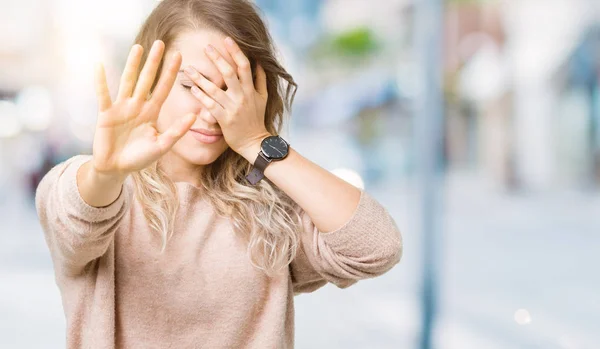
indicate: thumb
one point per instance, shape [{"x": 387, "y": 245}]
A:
[{"x": 168, "y": 138}]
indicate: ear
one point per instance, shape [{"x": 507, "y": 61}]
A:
[
  {"x": 260, "y": 82},
  {"x": 253, "y": 70}
]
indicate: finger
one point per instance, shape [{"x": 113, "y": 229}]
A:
[
  {"x": 228, "y": 73},
  {"x": 148, "y": 73},
  {"x": 130, "y": 72},
  {"x": 165, "y": 84},
  {"x": 167, "y": 139},
  {"x": 102, "y": 92},
  {"x": 261, "y": 81},
  {"x": 244, "y": 71},
  {"x": 213, "y": 107},
  {"x": 208, "y": 87}
]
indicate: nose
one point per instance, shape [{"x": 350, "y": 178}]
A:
[{"x": 207, "y": 117}]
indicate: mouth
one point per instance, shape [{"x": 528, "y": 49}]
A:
[{"x": 205, "y": 138}]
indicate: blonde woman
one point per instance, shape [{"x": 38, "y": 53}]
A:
[{"x": 193, "y": 224}]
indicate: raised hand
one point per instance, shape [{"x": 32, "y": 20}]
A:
[{"x": 126, "y": 138}]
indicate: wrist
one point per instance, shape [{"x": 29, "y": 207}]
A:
[
  {"x": 251, "y": 150},
  {"x": 107, "y": 177},
  {"x": 98, "y": 189}
]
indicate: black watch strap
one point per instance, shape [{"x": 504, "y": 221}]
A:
[{"x": 258, "y": 169}]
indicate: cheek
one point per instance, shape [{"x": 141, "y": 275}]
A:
[
  {"x": 175, "y": 106},
  {"x": 165, "y": 119}
]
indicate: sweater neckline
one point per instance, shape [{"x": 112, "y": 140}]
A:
[
  {"x": 188, "y": 193},
  {"x": 187, "y": 185}
]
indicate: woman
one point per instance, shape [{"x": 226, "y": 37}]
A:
[{"x": 192, "y": 224}]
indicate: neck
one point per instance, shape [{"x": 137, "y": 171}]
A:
[{"x": 179, "y": 170}]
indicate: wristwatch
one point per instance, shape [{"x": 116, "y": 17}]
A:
[{"x": 272, "y": 148}]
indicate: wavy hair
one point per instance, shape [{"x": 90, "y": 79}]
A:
[{"x": 263, "y": 215}]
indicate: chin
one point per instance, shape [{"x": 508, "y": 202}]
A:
[
  {"x": 202, "y": 157},
  {"x": 198, "y": 153}
]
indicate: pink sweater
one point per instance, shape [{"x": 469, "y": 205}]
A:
[{"x": 119, "y": 292}]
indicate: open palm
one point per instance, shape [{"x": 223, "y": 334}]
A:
[{"x": 126, "y": 138}]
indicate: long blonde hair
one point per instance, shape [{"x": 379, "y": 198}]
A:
[{"x": 263, "y": 215}]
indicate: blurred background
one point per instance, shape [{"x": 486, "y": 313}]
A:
[{"x": 476, "y": 123}]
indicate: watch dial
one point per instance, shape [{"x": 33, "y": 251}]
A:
[{"x": 275, "y": 147}]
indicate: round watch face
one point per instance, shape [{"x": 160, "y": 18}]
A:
[{"x": 274, "y": 147}]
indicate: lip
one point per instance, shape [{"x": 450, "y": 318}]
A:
[
  {"x": 205, "y": 138},
  {"x": 206, "y": 132}
]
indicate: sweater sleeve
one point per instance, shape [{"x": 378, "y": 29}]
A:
[
  {"x": 76, "y": 233},
  {"x": 367, "y": 245}
]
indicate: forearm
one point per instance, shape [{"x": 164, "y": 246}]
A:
[
  {"x": 329, "y": 200},
  {"x": 77, "y": 232},
  {"x": 96, "y": 189}
]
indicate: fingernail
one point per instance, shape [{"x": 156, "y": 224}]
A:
[
  {"x": 195, "y": 89},
  {"x": 229, "y": 41},
  {"x": 210, "y": 49}
]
